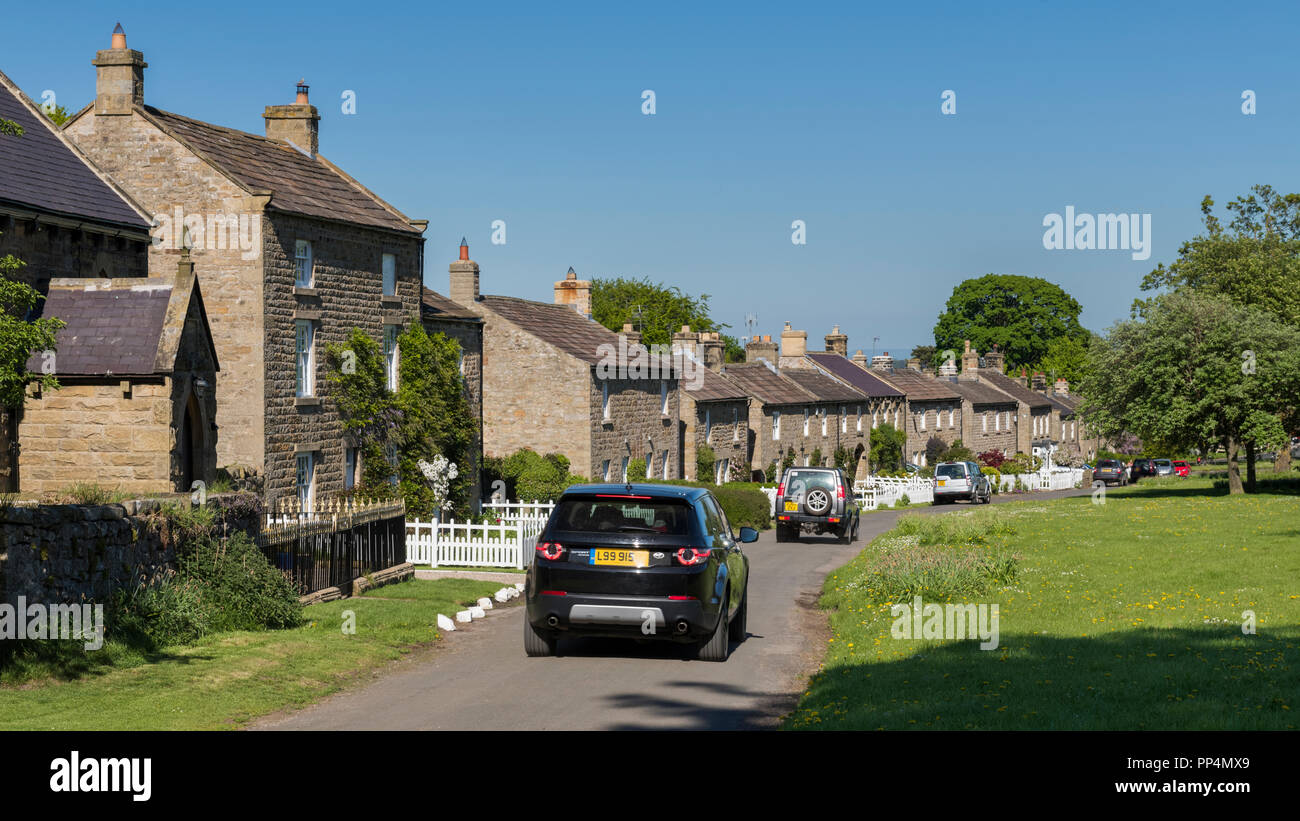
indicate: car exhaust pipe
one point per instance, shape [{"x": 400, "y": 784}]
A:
[
  {"x": 552, "y": 621},
  {"x": 682, "y": 627}
]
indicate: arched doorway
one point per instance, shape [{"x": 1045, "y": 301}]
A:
[{"x": 189, "y": 441}]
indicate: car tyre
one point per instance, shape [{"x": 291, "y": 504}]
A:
[
  {"x": 738, "y": 629},
  {"x": 537, "y": 644},
  {"x": 715, "y": 648}
]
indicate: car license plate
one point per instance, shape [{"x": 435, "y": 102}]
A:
[
  {"x": 620, "y": 558},
  {"x": 791, "y": 507},
  {"x": 941, "y": 482}
]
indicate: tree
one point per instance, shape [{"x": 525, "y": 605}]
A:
[
  {"x": 1255, "y": 260},
  {"x": 658, "y": 311},
  {"x": 57, "y": 114},
  {"x": 1021, "y": 315},
  {"x": 925, "y": 353},
  {"x": 1195, "y": 368},
  {"x": 1066, "y": 358},
  {"x": 887, "y": 444}
]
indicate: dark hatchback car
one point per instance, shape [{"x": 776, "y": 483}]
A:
[
  {"x": 1111, "y": 470},
  {"x": 640, "y": 562},
  {"x": 1142, "y": 467}
]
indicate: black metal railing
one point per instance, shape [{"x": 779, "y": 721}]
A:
[{"x": 336, "y": 545}]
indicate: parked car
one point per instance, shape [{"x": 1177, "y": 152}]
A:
[
  {"x": 1140, "y": 468},
  {"x": 1111, "y": 471},
  {"x": 1182, "y": 468},
  {"x": 1164, "y": 467},
  {"x": 961, "y": 480},
  {"x": 638, "y": 561},
  {"x": 816, "y": 500}
]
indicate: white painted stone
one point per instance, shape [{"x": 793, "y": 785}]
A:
[
  {"x": 477, "y": 612},
  {"x": 485, "y": 603},
  {"x": 519, "y": 586},
  {"x": 445, "y": 623},
  {"x": 464, "y": 616},
  {"x": 502, "y": 596}
]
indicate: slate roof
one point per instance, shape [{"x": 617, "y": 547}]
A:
[
  {"x": 919, "y": 387},
  {"x": 760, "y": 381},
  {"x": 822, "y": 386},
  {"x": 436, "y": 306},
  {"x": 43, "y": 171},
  {"x": 1058, "y": 403},
  {"x": 713, "y": 387},
  {"x": 1006, "y": 384},
  {"x": 850, "y": 372},
  {"x": 299, "y": 184},
  {"x": 980, "y": 394},
  {"x": 117, "y": 327}
]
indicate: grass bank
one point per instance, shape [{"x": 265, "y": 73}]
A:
[
  {"x": 1123, "y": 615},
  {"x": 227, "y": 679}
]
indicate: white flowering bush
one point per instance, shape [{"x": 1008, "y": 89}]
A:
[{"x": 440, "y": 472}]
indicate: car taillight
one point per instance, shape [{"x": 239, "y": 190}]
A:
[
  {"x": 780, "y": 489},
  {"x": 839, "y": 491},
  {"x": 550, "y": 550},
  {"x": 691, "y": 556}
]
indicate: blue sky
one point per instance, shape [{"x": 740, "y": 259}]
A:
[{"x": 830, "y": 114}]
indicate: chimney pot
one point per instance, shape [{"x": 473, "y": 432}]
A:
[
  {"x": 464, "y": 250},
  {"x": 119, "y": 37}
]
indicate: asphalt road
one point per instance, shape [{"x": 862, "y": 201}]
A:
[{"x": 479, "y": 677}]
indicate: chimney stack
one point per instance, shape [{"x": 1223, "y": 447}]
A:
[
  {"x": 994, "y": 360},
  {"x": 713, "y": 351},
  {"x": 970, "y": 360},
  {"x": 794, "y": 344},
  {"x": 119, "y": 77},
  {"x": 632, "y": 334},
  {"x": 914, "y": 364},
  {"x": 837, "y": 342},
  {"x": 883, "y": 362},
  {"x": 761, "y": 348},
  {"x": 1062, "y": 387},
  {"x": 1040, "y": 382},
  {"x": 464, "y": 278},
  {"x": 574, "y": 292},
  {"x": 860, "y": 359},
  {"x": 298, "y": 123}
]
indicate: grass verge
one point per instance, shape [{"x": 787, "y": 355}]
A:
[
  {"x": 1124, "y": 615},
  {"x": 227, "y": 679}
]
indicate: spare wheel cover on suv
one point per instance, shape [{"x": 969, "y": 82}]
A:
[{"x": 817, "y": 501}]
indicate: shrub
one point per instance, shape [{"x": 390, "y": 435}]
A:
[
  {"x": 529, "y": 475},
  {"x": 991, "y": 458},
  {"x": 887, "y": 443},
  {"x": 704, "y": 461},
  {"x": 88, "y": 493},
  {"x": 636, "y": 470},
  {"x": 935, "y": 448},
  {"x": 743, "y": 502},
  {"x": 161, "y": 612},
  {"x": 957, "y": 453},
  {"x": 244, "y": 591},
  {"x": 815, "y": 459}
]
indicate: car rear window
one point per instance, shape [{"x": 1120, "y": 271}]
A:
[
  {"x": 951, "y": 471},
  {"x": 802, "y": 481},
  {"x": 1108, "y": 463},
  {"x": 623, "y": 515}
]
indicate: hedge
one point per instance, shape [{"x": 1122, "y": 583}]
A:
[{"x": 743, "y": 502}]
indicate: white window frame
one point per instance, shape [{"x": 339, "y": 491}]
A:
[
  {"x": 708, "y": 425},
  {"x": 844, "y": 419},
  {"x": 822, "y": 413},
  {"x": 952, "y": 416},
  {"x": 859, "y": 415},
  {"x": 922, "y": 421},
  {"x": 625, "y": 462},
  {"x": 304, "y": 357},
  {"x": 350, "y": 459},
  {"x": 303, "y": 263},
  {"x": 805, "y": 421},
  {"x": 776, "y": 425},
  {"x": 997, "y": 421},
  {"x": 663, "y": 462},
  {"x": 391, "y": 354},
  {"x": 604, "y": 401},
  {"x": 663, "y": 397},
  {"x": 388, "y": 273},
  {"x": 604, "y": 471},
  {"x": 984, "y": 422},
  {"x": 305, "y": 481}
]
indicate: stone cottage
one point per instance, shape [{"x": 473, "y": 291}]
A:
[
  {"x": 62, "y": 216},
  {"x": 1033, "y": 416},
  {"x": 555, "y": 381},
  {"x": 714, "y": 410},
  {"x": 885, "y": 404},
  {"x": 138, "y": 375},
  {"x": 934, "y": 409},
  {"x": 295, "y": 255}
]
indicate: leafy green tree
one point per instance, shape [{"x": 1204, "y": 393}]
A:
[
  {"x": 887, "y": 444},
  {"x": 21, "y": 337},
  {"x": 437, "y": 417},
  {"x": 57, "y": 114},
  {"x": 1254, "y": 260},
  {"x": 1066, "y": 358},
  {"x": 705, "y": 458},
  {"x": 530, "y": 476},
  {"x": 928, "y": 356},
  {"x": 636, "y": 470},
  {"x": 657, "y": 310},
  {"x": 1021, "y": 315},
  {"x": 1193, "y": 369}
]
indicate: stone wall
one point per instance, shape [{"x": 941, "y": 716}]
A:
[
  {"x": 943, "y": 418},
  {"x": 537, "y": 397},
  {"x": 95, "y": 432},
  {"x": 982, "y": 431},
  {"x": 723, "y": 426},
  {"x": 69, "y": 553},
  {"x": 347, "y": 293},
  {"x": 636, "y": 425},
  {"x": 54, "y": 251}
]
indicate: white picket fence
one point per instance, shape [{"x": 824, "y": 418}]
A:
[
  {"x": 510, "y": 542},
  {"x": 876, "y": 492}
]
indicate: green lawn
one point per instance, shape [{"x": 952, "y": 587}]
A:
[
  {"x": 227, "y": 679},
  {"x": 1126, "y": 615}
]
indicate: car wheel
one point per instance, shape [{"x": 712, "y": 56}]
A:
[
  {"x": 738, "y": 631},
  {"x": 537, "y": 644},
  {"x": 715, "y": 649},
  {"x": 780, "y": 534},
  {"x": 817, "y": 501}
]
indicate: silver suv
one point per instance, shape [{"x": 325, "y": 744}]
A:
[
  {"x": 816, "y": 500},
  {"x": 961, "y": 480}
]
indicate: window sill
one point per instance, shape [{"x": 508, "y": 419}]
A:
[
  {"x": 390, "y": 301},
  {"x": 299, "y": 290},
  {"x": 306, "y": 401}
]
